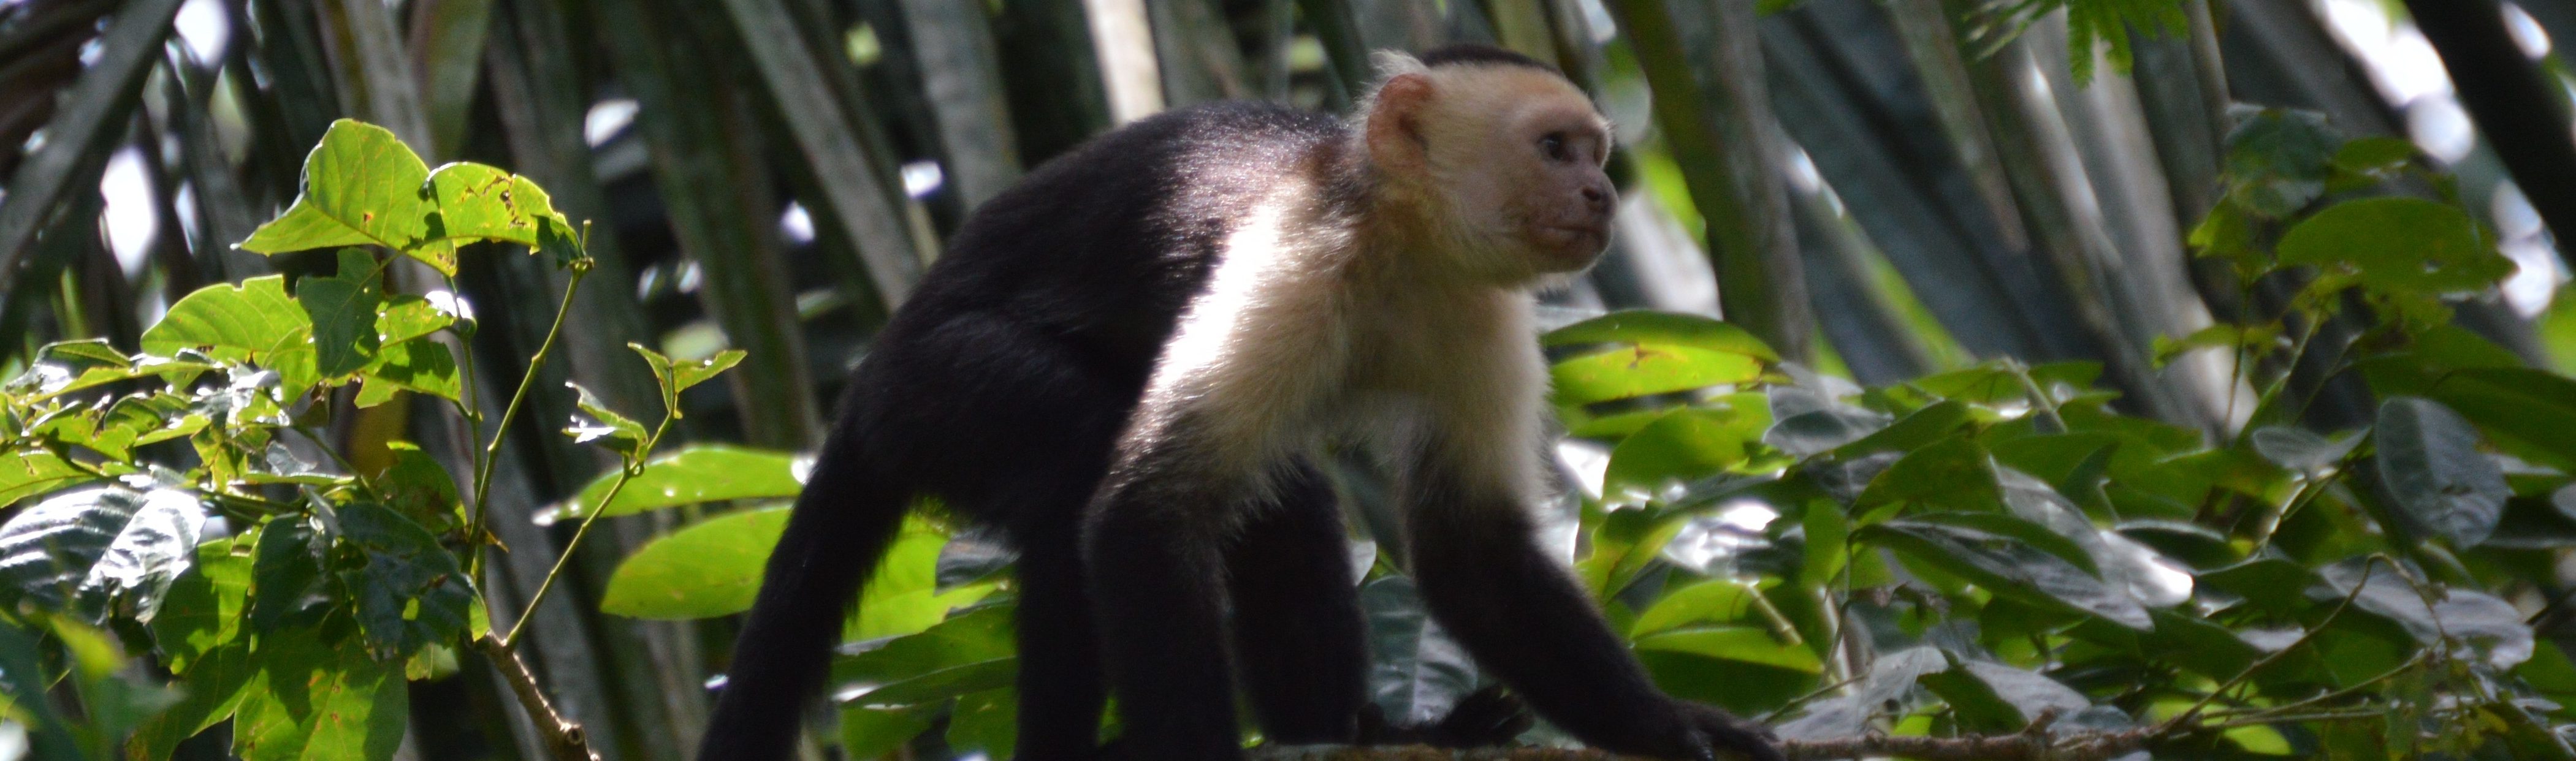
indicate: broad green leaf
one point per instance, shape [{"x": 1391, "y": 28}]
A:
[
  {"x": 2377, "y": 154},
  {"x": 1661, "y": 328},
  {"x": 201, "y": 636},
  {"x": 2008, "y": 567},
  {"x": 29, "y": 472},
  {"x": 403, "y": 318},
  {"x": 410, "y": 591},
  {"x": 985, "y": 722},
  {"x": 700, "y": 473},
  {"x": 478, "y": 202},
  {"x": 67, "y": 366},
  {"x": 1685, "y": 444},
  {"x": 1889, "y": 684},
  {"x": 2491, "y": 630},
  {"x": 981, "y": 634},
  {"x": 1953, "y": 473},
  {"x": 2530, "y": 413},
  {"x": 2278, "y": 160},
  {"x": 419, "y": 488},
  {"x": 2021, "y": 530},
  {"x": 1820, "y": 430},
  {"x": 1993, "y": 383},
  {"x": 253, "y": 322},
  {"x": 100, "y": 550},
  {"x": 312, "y": 700},
  {"x": 903, "y": 596},
  {"x": 1993, "y": 697},
  {"x": 2428, "y": 458},
  {"x": 1721, "y": 601},
  {"x": 1748, "y": 644},
  {"x": 1914, "y": 431},
  {"x": 706, "y": 570},
  {"x": 940, "y": 684},
  {"x": 874, "y": 732},
  {"x": 606, "y": 428},
  {"x": 342, "y": 311},
  {"x": 421, "y": 364},
  {"x": 361, "y": 186},
  {"x": 287, "y": 585},
  {"x": 1418, "y": 672},
  {"x": 1640, "y": 370},
  {"x": 2406, "y": 245},
  {"x": 206, "y": 606}
]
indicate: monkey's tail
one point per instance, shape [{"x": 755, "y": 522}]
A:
[{"x": 851, "y": 509}]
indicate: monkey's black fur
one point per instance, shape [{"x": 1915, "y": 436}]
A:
[{"x": 1002, "y": 387}]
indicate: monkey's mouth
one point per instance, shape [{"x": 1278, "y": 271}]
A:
[{"x": 1587, "y": 240}]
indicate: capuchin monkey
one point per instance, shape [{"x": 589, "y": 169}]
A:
[{"x": 1126, "y": 365}]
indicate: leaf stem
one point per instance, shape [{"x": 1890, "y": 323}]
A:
[
  {"x": 2180, "y": 719},
  {"x": 492, "y": 450}
]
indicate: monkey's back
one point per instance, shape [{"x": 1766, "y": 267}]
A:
[{"x": 1106, "y": 244}]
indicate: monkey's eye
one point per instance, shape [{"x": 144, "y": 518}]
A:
[{"x": 1555, "y": 146}]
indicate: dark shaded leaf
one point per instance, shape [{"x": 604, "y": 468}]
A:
[
  {"x": 2428, "y": 457},
  {"x": 2008, "y": 567},
  {"x": 410, "y": 592},
  {"x": 1418, "y": 672},
  {"x": 287, "y": 586},
  {"x": 2300, "y": 450}
]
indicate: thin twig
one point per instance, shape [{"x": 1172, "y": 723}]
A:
[
  {"x": 491, "y": 451},
  {"x": 624, "y": 474},
  {"x": 2193, "y": 713}
]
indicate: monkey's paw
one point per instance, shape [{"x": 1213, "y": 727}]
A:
[{"x": 1483, "y": 718}]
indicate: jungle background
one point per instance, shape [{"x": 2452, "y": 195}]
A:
[{"x": 2098, "y": 378}]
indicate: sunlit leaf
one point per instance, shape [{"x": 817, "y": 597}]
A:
[
  {"x": 700, "y": 473},
  {"x": 313, "y": 700},
  {"x": 100, "y": 550},
  {"x": 709, "y": 569},
  {"x": 410, "y": 592},
  {"x": 2399, "y": 244},
  {"x": 342, "y": 310}
]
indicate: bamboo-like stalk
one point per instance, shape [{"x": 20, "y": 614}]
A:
[
  {"x": 953, "y": 46},
  {"x": 1715, "y": 111}
]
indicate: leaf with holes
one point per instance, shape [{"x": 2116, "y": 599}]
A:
[{"x": 410, "y": 591}]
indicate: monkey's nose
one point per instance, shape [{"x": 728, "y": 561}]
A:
[{"x": 1601, "y": 200}]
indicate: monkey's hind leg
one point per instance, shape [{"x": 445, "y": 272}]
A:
[{"x": 1300, "y": 644}]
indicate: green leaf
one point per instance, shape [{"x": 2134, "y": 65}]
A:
[
  {"x": 1720, "y": 601},
  {"x": 941, "y": 684},
  {"x": 200, "y": 635},
  {"x": 2374, "y": 155},
  {"x": 1661, "y": 328},
  {"x": 478, "y": 202},
  {"x": 29, "y": 472},
  {"x": 606, "y": 428},
  {"x": 874, "y": 732},
  {"x": 313, "y": 700},
  {"x": 342, "y": 310},
  {"x": 421, "y": 364},
  {"x": 361, "y": 185},
  {"x": 2008, "y": 567},
  {"x": 2428, "y": 457},
  {"x": 1996, "y": 698},
  {"x": 410, "y": 591},
  {"x": 1418, "y": 671},
  {"x": 205, "y": 607},
  {"x": 974, "y": 636},
  {"x": 706, "y": 570},
  {"x": 287, "y": 584},
  {"x": 1685, "y": 444},
  {"x": 1952, "y": 473},
  {"x": 699, "y": 473},
  {"x": 67, "y": 366},
  {"x": 903, "y": 596},
  {"x": 404, "y": 318},
  {"x": 677, "y": 376},
  {"x": 102, "y": 550},
  {"x": 252, "y": 322},
  {"x": 419, "y": 488},
  {"x": 2300, "y": 450},
  {"x": 1748, "y": 644},
  {"x": 1820, "y": 430},
  {"x": 2405, "y": 245},
  {"x": 2278, "y": 160},
  {"x": 2529, "y": 412},
  {"x": 985, "y": 722},
  {"x": 1645, "y": 369}
]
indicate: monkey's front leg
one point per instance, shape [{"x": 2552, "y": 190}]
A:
[{"x": 1522, "y": 616}]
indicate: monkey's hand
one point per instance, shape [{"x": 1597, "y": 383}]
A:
[
  {"x": 1715, "y": 735},
  {"x": 1483, "y": 718}
]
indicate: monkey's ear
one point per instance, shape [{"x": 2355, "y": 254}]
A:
[{"x": 1395, "y": 137}]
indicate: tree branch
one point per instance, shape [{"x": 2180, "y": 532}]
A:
[{"x": 565, "y": 739}]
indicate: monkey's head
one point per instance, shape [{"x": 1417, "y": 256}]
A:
[{"x": 1498, "y": 151}]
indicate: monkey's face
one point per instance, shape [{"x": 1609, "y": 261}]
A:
[{"x": 1515, "y": 156}]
